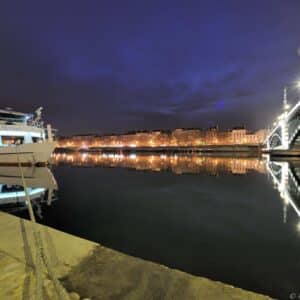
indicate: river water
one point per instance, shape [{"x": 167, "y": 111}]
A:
[{"x": 231, "y": 219}]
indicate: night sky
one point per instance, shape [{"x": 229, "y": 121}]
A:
[{"x": 113, "y": 66}]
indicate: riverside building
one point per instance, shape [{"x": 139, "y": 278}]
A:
[{"x": 191, "y": 137}]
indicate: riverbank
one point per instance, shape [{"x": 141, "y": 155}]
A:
[
  {"x": 89, "y": 270},
  {"x": 292, "y": 153}
]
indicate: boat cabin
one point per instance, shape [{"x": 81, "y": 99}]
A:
[
  {"x": 9, "y": 117},
  {"x": 19, "y": 128}
]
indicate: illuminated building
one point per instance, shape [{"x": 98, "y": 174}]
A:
[{"x": 158, "y": 138}]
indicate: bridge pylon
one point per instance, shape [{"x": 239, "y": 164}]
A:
[{"x": 285, "y": 128}]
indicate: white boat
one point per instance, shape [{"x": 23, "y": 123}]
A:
[{"x": 23, "y": 139}]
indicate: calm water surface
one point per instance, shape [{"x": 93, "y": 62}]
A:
[{"x": 235, "y": 220}]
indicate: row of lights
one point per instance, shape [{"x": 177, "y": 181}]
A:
[{"x": 236, "y": 140}]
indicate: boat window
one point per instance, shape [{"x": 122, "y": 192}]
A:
[
  {"x": 12, "y": 188},
  {"x": 36, "y": 139},
  {"x": 10, "y": 117},
  {"x": 12, "y": 140}
]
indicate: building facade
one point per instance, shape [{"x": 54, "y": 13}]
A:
[{"x": 158, "y": 138}]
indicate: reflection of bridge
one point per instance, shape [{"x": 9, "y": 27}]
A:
[
  {"x": 285, "y": 177},
  {"x": 285, "y": 134}
]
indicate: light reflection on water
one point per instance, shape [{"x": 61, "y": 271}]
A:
[
  {"x": 243, "y": 230},
  {"x": 285, "y": 174},
  {"x": 178, "y": 164}
]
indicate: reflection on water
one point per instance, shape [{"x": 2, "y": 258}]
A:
[
  {"x": 286, "y": 180},
  {"x": 41, "y": 187},
  {"x": 242, "y": 230},
  {"x": 285, "y": 174},
  {"x": 179, "y": 164}
]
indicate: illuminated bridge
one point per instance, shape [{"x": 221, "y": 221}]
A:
[{"x": 285, "y": 134}]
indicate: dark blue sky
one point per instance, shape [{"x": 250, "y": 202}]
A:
[{"x": 113, "y": 66}]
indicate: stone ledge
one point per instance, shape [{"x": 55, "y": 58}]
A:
[{"x": 93, "y": 271}]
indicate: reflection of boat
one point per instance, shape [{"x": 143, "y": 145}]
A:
[
  {"x": 35, "y": 177},
  {"x": 23, "y": 138},
  {"x": 285, "y": 175},
  {"x": 41, "y": 187}
]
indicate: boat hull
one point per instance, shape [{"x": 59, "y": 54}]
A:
[{"x": 27, "y": 154}]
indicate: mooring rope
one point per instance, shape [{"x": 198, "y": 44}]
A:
[{"x": 41, "y": 256}]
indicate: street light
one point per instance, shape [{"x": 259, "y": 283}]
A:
[{"x": 298, "y": 84}]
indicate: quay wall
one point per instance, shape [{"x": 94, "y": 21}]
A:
[
  {"x": 294, "y": 151},
  {"x": 90, "y": 271}
]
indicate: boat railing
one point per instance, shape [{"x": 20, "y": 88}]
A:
[{"x": 36, "y": 123}]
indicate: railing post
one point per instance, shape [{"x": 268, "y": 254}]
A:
[{"x": 49, "y": 133}]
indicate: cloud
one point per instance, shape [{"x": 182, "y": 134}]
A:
[{"x": 109, "y": 69}]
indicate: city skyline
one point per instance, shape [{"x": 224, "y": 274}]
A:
[
  {"x": 116, "y": 67},
  {"x": 165, "y": 139}
]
